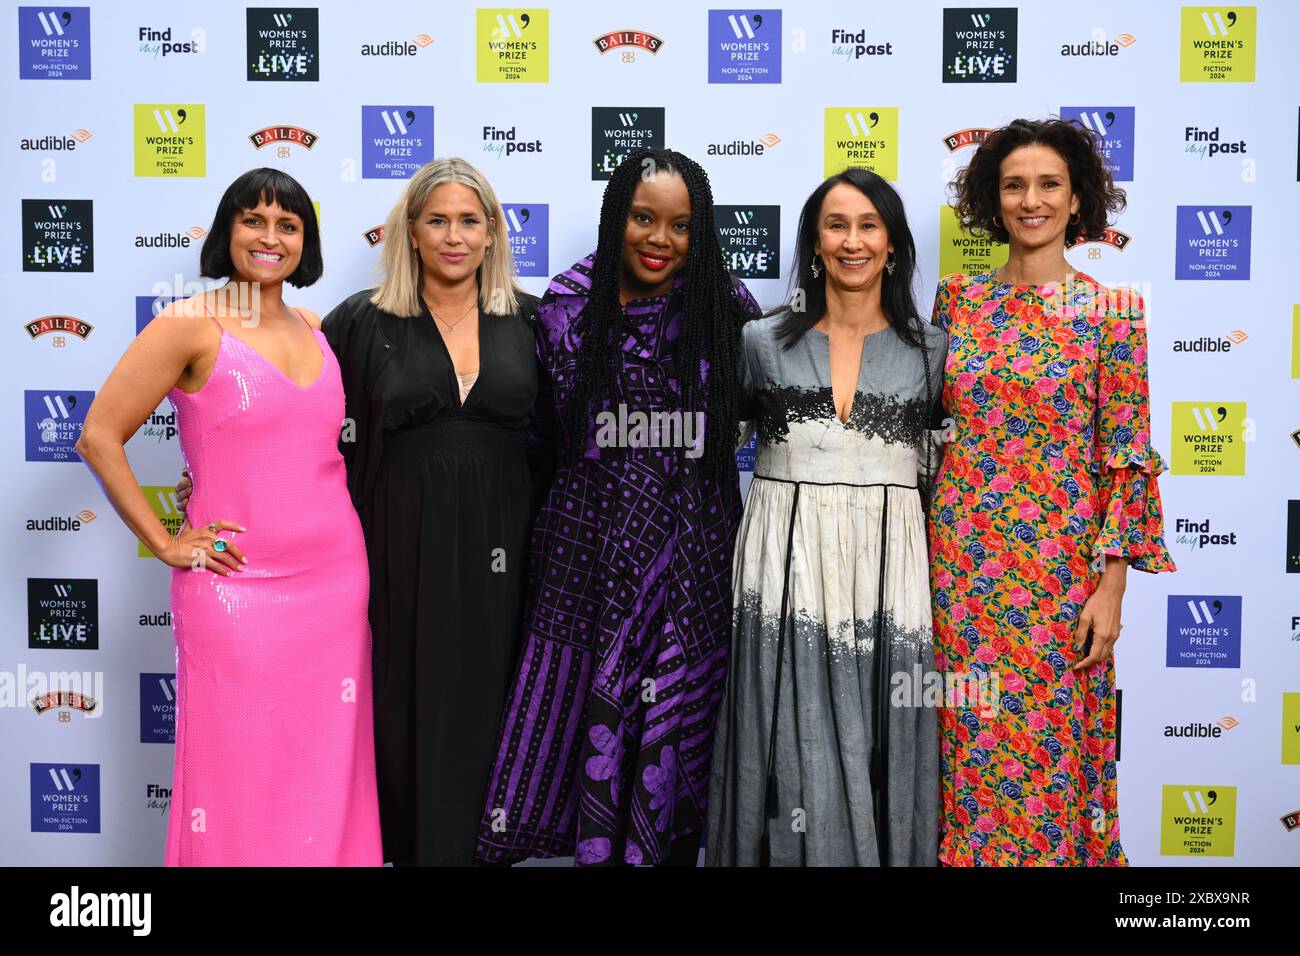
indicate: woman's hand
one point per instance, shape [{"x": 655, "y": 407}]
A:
[
  {"x": 184, "y": 488},
  {"x": 1100, "y": 617},
  {"x": 193, "y": 548}
]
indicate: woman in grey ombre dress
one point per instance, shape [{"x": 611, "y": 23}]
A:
[{"x": 826, "y": 752}]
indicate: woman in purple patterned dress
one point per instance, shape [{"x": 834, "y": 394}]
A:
[{"x": 606, "y": 740}]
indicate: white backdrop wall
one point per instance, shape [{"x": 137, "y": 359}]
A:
[{"x": 123, "y": 123}]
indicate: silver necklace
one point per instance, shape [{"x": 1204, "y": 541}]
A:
[{"x": 451, "y": 326}]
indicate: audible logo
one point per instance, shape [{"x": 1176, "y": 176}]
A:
[
  {"x": 1211, "y": 343},
  {"x": 171, "y": 240},
  {"x": 55, "y": 143},
  {"x": 398, "y": 47}
]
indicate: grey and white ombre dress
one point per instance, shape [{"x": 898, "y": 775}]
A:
[{"x": 834, "y": 534}]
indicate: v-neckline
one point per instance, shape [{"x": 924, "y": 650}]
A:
[
  {"x": 446, "y": 352},
  {"x": 283, "y": 374},
  {"x": 857, "y": 379}
]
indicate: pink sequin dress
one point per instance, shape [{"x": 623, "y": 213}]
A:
[{"x": 275, "y": 757}]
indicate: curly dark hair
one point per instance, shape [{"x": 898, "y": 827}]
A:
[
  {"x": 977, "y": 185},
  {"x": 711, "y": 320}
]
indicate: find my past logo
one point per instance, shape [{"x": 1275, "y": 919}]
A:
[
  {"x": 170, "y": 139},
  {"x": 513, "y": 46},
  {"x": 1217, "y": 45},
  {"x": 283, "y": 43},
  {"x": 865, "y": 136}
]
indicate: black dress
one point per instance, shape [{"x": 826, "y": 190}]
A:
[{"x": 443, "y": 494}]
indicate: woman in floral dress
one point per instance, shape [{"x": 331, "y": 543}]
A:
[{"x": 1046, "y": 496}]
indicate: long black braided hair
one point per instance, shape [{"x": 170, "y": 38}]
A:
[{"x": 711, "y": 319}]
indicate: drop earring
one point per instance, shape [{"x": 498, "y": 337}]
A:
[
  {"x": 890, "y": 265},
  {"x": 816, "y": 269}
]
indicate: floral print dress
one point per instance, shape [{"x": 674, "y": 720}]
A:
[{"x": 1048, "y": 466}]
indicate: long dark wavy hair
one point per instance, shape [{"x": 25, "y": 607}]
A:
[
  {"x": 896, "y": 298},
  {"x": 711, "y": 319}
]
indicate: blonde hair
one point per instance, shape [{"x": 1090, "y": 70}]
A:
[{"x": 399, "y": 287}]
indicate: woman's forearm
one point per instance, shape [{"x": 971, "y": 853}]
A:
[
  {"x": 1114, "y": 576},
  {"x": 107, "y": 461}
]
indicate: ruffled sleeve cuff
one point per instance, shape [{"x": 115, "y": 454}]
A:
[{"x": 1133, "y": 525}]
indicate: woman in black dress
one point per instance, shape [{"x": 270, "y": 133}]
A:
[{"x": 440, "y": 374}]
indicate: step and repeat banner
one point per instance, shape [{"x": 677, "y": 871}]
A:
[{"x": 124, "y": 122}]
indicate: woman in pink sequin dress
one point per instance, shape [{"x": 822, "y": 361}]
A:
[{"x": 274, "y": 739}]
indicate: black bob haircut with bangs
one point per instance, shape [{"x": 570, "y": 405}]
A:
[{"x": 254, "y": 187}]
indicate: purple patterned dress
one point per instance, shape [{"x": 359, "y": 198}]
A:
[{"x": 607, "y": 735}]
